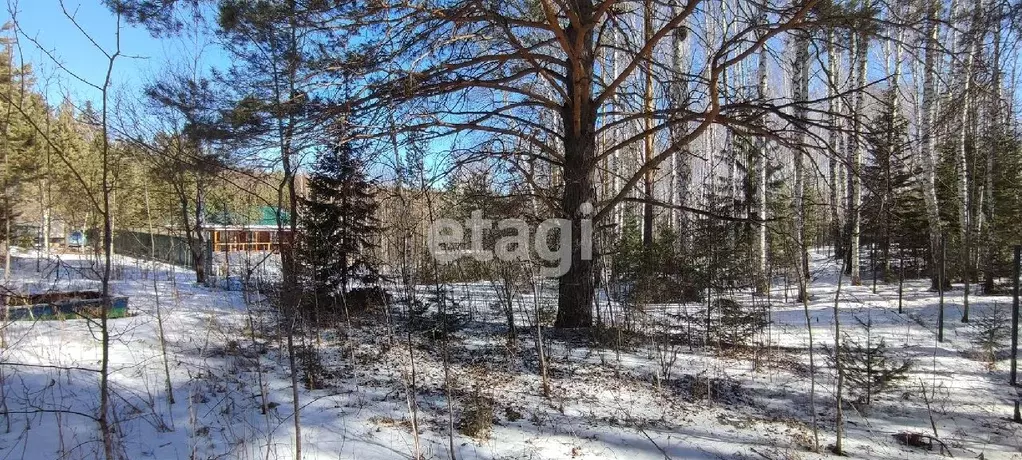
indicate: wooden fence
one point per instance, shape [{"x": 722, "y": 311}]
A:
[{"x": 170, "y": 249}]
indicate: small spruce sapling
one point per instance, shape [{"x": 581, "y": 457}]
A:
[
  {"x": 868, "y": 367},
  {"x": 990, "y": 332}
]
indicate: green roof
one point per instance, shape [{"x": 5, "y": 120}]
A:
[{"x": 260, "y": 215}]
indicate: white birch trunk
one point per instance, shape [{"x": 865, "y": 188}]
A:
[
  {"x": 680, "y": 162},
  {"x": 991, "y": 154},
  {"x": 849, "y": 146},
  {"x": 615, "y": 171},
  {"x": 855, "y": 211},
  {"x": 800, "y": 90},
  {"x": 834, "y": 140},
  {"x": 759, "y": 170},
  {"x": 710, "y": 24},
  {"x": 964, "y": 204},
  {"x": 928, "y": 154}
]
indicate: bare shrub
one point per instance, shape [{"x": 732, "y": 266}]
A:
[{"x": 476, "y": 416}]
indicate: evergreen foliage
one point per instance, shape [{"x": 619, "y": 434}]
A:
[
  {"x": 338, "y": 224},
  {"x": 867, "y": 367},
  {"x": 990, "y": 332},
  {"x": 1007, "y": 150},
  {"x": 893, "y": 211},
  {"x": 657, "y": 273},
  {"x": 734, "y": 324}
]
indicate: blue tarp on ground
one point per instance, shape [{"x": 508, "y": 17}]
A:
[{"x": 71, "y": 308}]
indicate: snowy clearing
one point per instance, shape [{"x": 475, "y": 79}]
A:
[{"x": 603, "y": 404}]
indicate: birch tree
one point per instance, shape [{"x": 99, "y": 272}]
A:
[
  {"x": 861, "y": 50},
  {"x": 995, "y": 130},
  {"x": 835, "y": 184},
  {"x": 759, "y": 171},
  {"x": 99, "y": 201},
  {"x": 965, "y": 223},
  {"x": 648, "y": 141},
  {"x": 681, "y": 167},
  {"x": 800, "y": 94},
  {"x": 928, "y": 139}
]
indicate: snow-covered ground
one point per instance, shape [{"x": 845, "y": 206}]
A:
[{"x": 603, "y": 403}]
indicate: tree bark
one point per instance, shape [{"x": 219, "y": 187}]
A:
[
  {"x": 576, "y": 288},
  {"x": 647, "y": 207},
  {"x": 991, "y": 155},
  {"x": 928, "y": 154},
  {"x": 759, "y": 167},
  {"x": 198, "y": 241},
  {"x": 833, "y": 135},
  {"x": 105, "y": 426},
  {"x": 859, "y": 148},
  {"x": 964, "y": 202},
  {"x": 800, "y": 88}
]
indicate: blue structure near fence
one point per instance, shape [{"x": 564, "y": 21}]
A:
[
  {"x": 76, "y": 239},
  {"x": 60, "y": 305}
]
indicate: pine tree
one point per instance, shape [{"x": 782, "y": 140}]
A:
[
  {"x": 868, "y": 366},
  {"x": 1007, "y": 181},
  {"x": 893, "y": 207},
  {"x": 724, "y": 247},
  {"x": 20, "y": 143},
  {"x": 339, "y": 223}
]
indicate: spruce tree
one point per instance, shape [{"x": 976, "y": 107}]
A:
[
  {"x": 893, "y": 216},
  {"x": 1007, "y": 195},
  {"x": 339, "y": 223}
]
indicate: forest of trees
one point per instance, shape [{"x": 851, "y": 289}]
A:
[
  {"x": 710, "y": 145},
  {"x": 883, "y": 131}
]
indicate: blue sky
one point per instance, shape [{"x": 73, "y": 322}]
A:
[{"x": 144, "y": 56}]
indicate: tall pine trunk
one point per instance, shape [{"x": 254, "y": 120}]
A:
[{"x": 576, "y": 288}]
